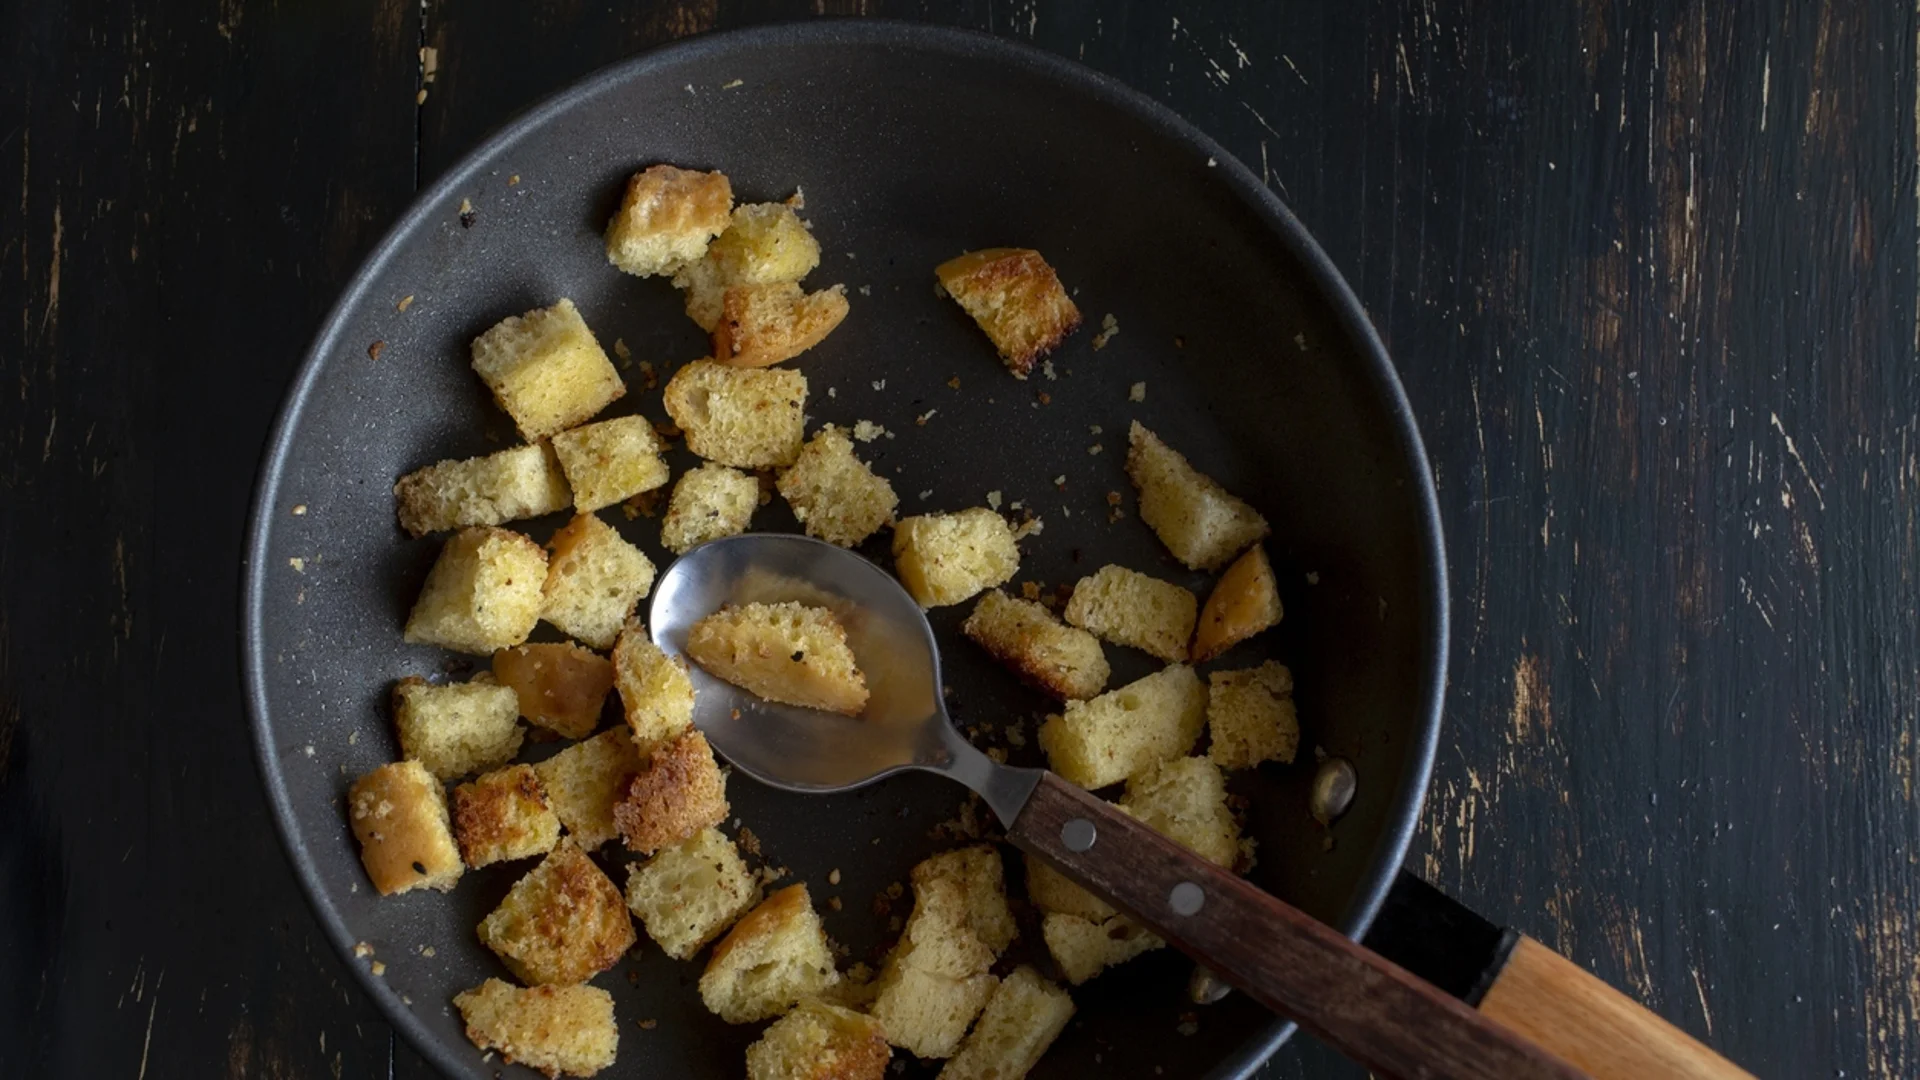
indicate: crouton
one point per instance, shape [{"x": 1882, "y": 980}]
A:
[
  {"x": 1185, "y": 800},
  {"x": 458, "y": 728},
  {"x": 585, "y": 780},
  {"x": 399, "y": 815},
  {"x": 774, "y": 956},
  {"x": 523, "y": 482},
  {"x": 562, "y": 923},
  {"x": 789, "y": 652},
  {"x": 1022, "y": 1018},
  {"x": 1250, "y": 716},
  {"x": 1122, "y": 732},
  {"x": 1084, "y": 948},
  {"x": 749, "y": 418},
  {"x": 560, "y": 687},
  {"x": 1016, "y": 298},
  {"x": 594, "y": 581},
  {"x": 1197, "y": 519},
  {"x": 946, "y": 558},
  {"x": 688, "y": 894},
  {"x": 1064, "y": 661},
  {"x": 483, "y": 593},
  {"x": 820, "y": 1041},
  {"x": 610, "y": 461},
  {"x": 546, "y": 370},
  {"x": 764, "y": 243},
  {"x": 1129, "y": 608},
  {"x": 766, "y": 324},
  {"x": 935, "y": 980},
  {"x": 503, "y": 815},
  {"x": 838, "y": 497},
  {"x": 667, "y": 218},
  {"x": 939, "y": 937},
  {"x": 1245, "y": 602},
  {"x": 678, "y": 791},
  {"x": 655, "y": 691},
  {"x": 708, "y": 502},
  {"x": 560, "y": 1030},
  {"x": 977, "y": 873},
  {"x": 926, "y": 1013}
]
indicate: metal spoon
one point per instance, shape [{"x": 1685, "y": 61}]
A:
[{"x": 1373, "y": 1010}]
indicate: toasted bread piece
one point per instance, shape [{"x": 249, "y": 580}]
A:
[
  {"x": 585, "y": 780},
  {"x": 399, "y": 815},
  {"x": 978, "y": 875},
  {"x": 1064, "y": 661},
  {"x": 1197, "y": 519},
  {"x": 766, "y": 324},
  {"x": 788, "y": 652},
  {"x": 457, "y": 728},
  {"x": 563, "y": 923},
  {"x": 503, "y": 815},
  {"x": 1245, "y": 602},
  {"x": 749, "y": 418},
  {"x": 523, "y": 482},
  {"x": 765, "y": 243},
  {"x": 838, "y": 497},
  {"x": 935, "y": 980},
  {"x": 667, "y": 218},
  {"x": 482, "y": 594},
  {"x": 610, "y": 461},
  {"x": 946, "y": 558},
  {"x": 1250, "y": 716},
  {"x": 926, "y": 1013},
  {"x": 1123, "y": 732},
  {"x": 561, "y": 687},
  {"x": 560, "y": 1030},
  {"x": 708, "y": 502},
  {"x": 1084, "y": 948},
  {"x": 1022, "y": 1018},
  {"x": 678, "y": 791},
  {"x": 820, "y": 1041},
  {"x": 1185, "y": 800},
  {"x": 594, "y": 580},
  {"x": 689, "y": 894},
  {"x": 1127, "y": 607},
  {"x": 546, "y": 370},
  {"x": 772, "y": 958},
  {"x": 655, "y": 691},
  {"x": 1016, "y": 298}
]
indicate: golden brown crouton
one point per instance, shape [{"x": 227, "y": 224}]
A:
[
  {"x": 523, "y": 482},
  {"x": 838, "y": 497},
  {"x": 1016, "y": 298},
  {"x": 610, "y": 461},
  {"x": 1064, "y": 661},
  {"x": 594, "y": 581},
  {"x": 708, "y": 502},
  {"x": 1122, "y": 732},
  {"x": 563, "y": 923},
  {"x": 1197, "y": 519},
  {"x": 667, "y": 218},
  {"x": 546, "y": 370},
  {"x": 1024, "y": 1016},
  {"x": 1245, "y": 602},
  {"x": 1084, "y": 948},
  {"x": 1250, "y": 716},
  {"x": 561, "y": 687},
  {"x": 457, "y": 728},
  {"x": 1129, "y": 608},
  {"x": 946, "y": 558},
  {"x": 749, "y": 418},
  {"x": 503, "y": 815},
  {"x": 820, "y": 1041},
  {"x": 678, "y": 791},
  {"x": 654, "y": 688},
  {"x": 399, "y": 815},
  {"x": 765, "y": 243},
  {"x": 482, "y": 594},
  {"x": 688, "y": 894},
  {"x": 560, "y": 1030},
  {"x": 766, "y": 324},
  {"x": 773, "y": 957},
  {"x": 790, "y": 652},
  {"x": 585, "y": 780}
]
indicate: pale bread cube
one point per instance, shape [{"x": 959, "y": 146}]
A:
[
  {"x": 655, "y": 692},
  {"x": 689, "y": 894},
  {"x": 820, "y": 1041},
  {"x": 561, "y": 687},
  {"x": 610, "y": 461},
  {"x": 788, "y": 652},
  {"x": 562, "y": 923},
  {"x": 594, "y": 580},
  {"x": 764, "y": 244},
  {"x": 708, "y": 502},
  {"x": 765, "y": 324},
  {"x": 678, "y": 791},
  {"x": 926, "y": 1013},
  {"x": 1022, "y": 1018},
  {"x": 399, "y": 816},
  {"x": 749, "y": 418},
  {"x": 667, "y": 217},
  {"x": 773, "y": 957},
  {"x": 977, "y": 873},
  {"x": 1125, "y": 731},
  {"x": 935, "y": 980},
  {"x": 1197, "y": 519},
  {"x": 1185, "y": 800},
  {"x": 503, "y": 815},
  {"x": 483, "y": 593},
  {"x": 560, "y": 1030},
  {"x": 546, "y": 370},
  {"x": 1084, "y": 948},
  {"x": 1251, "y": 717},
  {"x": 584, "y": 781},
  {"x": 458, "y": 728},
  {"x": 838, "y": 497},
  {"x": 1061, "y": 660},
  {"x": 523, "y": 482},
  {"x": 946, "y": 558},
  {"x": 1016, "y": 298},
  {"x": 1127, "y": 607}
]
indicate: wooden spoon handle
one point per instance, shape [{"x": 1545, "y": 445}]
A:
[{"x": 1369, "y": 1008}]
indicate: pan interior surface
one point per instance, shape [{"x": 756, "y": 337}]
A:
[{"x": 911, "y": 145}]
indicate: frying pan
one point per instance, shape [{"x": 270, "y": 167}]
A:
[{"x": 911, "y": 144}]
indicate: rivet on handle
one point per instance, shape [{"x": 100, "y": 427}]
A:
[
  {"x": 1078, "y": 835},
  {"x": 1186, "y": 898}
]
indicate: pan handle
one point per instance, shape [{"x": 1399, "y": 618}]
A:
[{"x": 1534, "y": 991}]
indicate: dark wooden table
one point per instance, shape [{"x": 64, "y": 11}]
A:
[{"x": 1648, "y": 269}]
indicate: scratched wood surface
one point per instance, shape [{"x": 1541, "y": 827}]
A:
[{"x": 1648, "y": 271}]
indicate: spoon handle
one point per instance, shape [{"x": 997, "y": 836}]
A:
[{"x": 1369, "y": 1008}]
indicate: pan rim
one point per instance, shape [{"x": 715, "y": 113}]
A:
[{"x": 1403, "y": 813}]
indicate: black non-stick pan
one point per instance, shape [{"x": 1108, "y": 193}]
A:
[{"x": 911, "y": 144}]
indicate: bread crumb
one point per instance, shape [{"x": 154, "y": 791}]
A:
[
  {"x": 1045, "y": 398},
  {"x": 307, "y": 750},
  {"x": 866, "y": 290},
  {"x": 879, "y": 384},
  {"x": 361, "y": 950},
  {"x": 1030, "y": 527},
  {"x": 1313, "y": 577},
  {"x": 620, "y": 350},
  {"x": 299, "y": 564},
  {"x": 1210, "y": 164},
  {"x": 648, "y": 377},
  {"x": 1137, "y": 392},
  {"x": 867, "y": 430},
  {"x": 1014, "y": 505},
  {"x": 299, "y": 509},
  {"x": 833, "y": 876},
  {"x": 993, "y": 499},
  {"x": 1060, "y": 481},
  {"x": 1300, "y": 342},
  {"x": 374, "y": 350},
  {"x": 1093, "y": 429},
  {"x": 1094, "y": 449},
  {"x": 749, "y": 842},
  {"x": 954, "y": 382},
  {"x": 378, "y": 969},
  {"x": 921, "y": 420},
  {"x": 421, "y": 97},
  {"x": 925, "y": 495},
  {"x": 405, "y": 303},
  {"x": 833, "y": 392},
  {"x": 833, "y": 903},
  {"x": 514, "y": 180},
  {"x": 649, "y": 1024},
  {"x": 353, "y": 738},
  {"x": 427, "y": 951},
  {"x": 1046, "y": 368},
  {"x": 796, "y": 191},
  {"x": 467, "y": 213},
  {"x": 1109, "y": 329}
]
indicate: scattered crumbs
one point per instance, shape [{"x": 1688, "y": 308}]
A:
[
  {"x": 921, "y": 420},
  {"x": 374, "y": 350},
  {"x": 993, "y": 499},
  {"x": 1046, "y": 368},
  {"x": 797, "y": 200},
  {"x": 889, "y": 434},
  {"x": 833, "y": 903},
  {"x": 998, "y": 754},
  {"x": 867, "y": 430},
  {"x": 734, "y": 83},
  {"x": 1326, "y": 842},
  {"x": 1093, "y": 429},
  {"x": 1210, "y": 164},
  {"x": 429, "y": 62},
  {"x": 405, "y": 303},
  {"x": 362, "y": 950},
  {"x": 421, "y": 97},
  {"x": 620, "y": 350},
  {"x": 666, "y": 429},
  {"x": 1313, "y": 577},
  {"x": 736, "y": 714},
  {"x": 925, "y": 495},
  {"x": 299, "y": 564},
  {"x": 353, "y": 738},
  {"x": 468, "y": 215},
  {"x": 1030, "y": 527},
  {"x": 1045, "y": 398},
  {"x": 649, "y": 1024},
  {"x": 378, "y": 969},
  {"x": 1016, "y": 734},
  {"x": 1014, "y": 505},
  {"x": 1095, "y": 449},
  {"x": 833, "y": 876},
  {"x": 749, "y": 841},
  {"x": 833, "y": 392},
  {"x": 894, "y": 891},
  {"x": 866, "y": 290},
  {"x": 954, "y": 382},
  {"x": 1300, "y": 342},
  {"x": 299, "y": 509},
  {"x": 1109, "y": 329},
  {"x": 1060, "y": 481},
  {"x": 514, "y": 180},
  {"x": 1030, "y": 590},
  {"x": 879, "y": 384},
  {"x": 1064, "y": 512},
  {"x": 851, "y": 255},
  {"x": 300, "y": 597},
  {"x": 307, "y": 750},
  {"x": 645, "y": 504},
  {"x": 426, "y": 951},
  {"x": 689, "y": 88},
  {"x": 1188, "y": 1027},
  {"x": 648, "y": 377},
  {"x": 1137, "y": 392}
]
